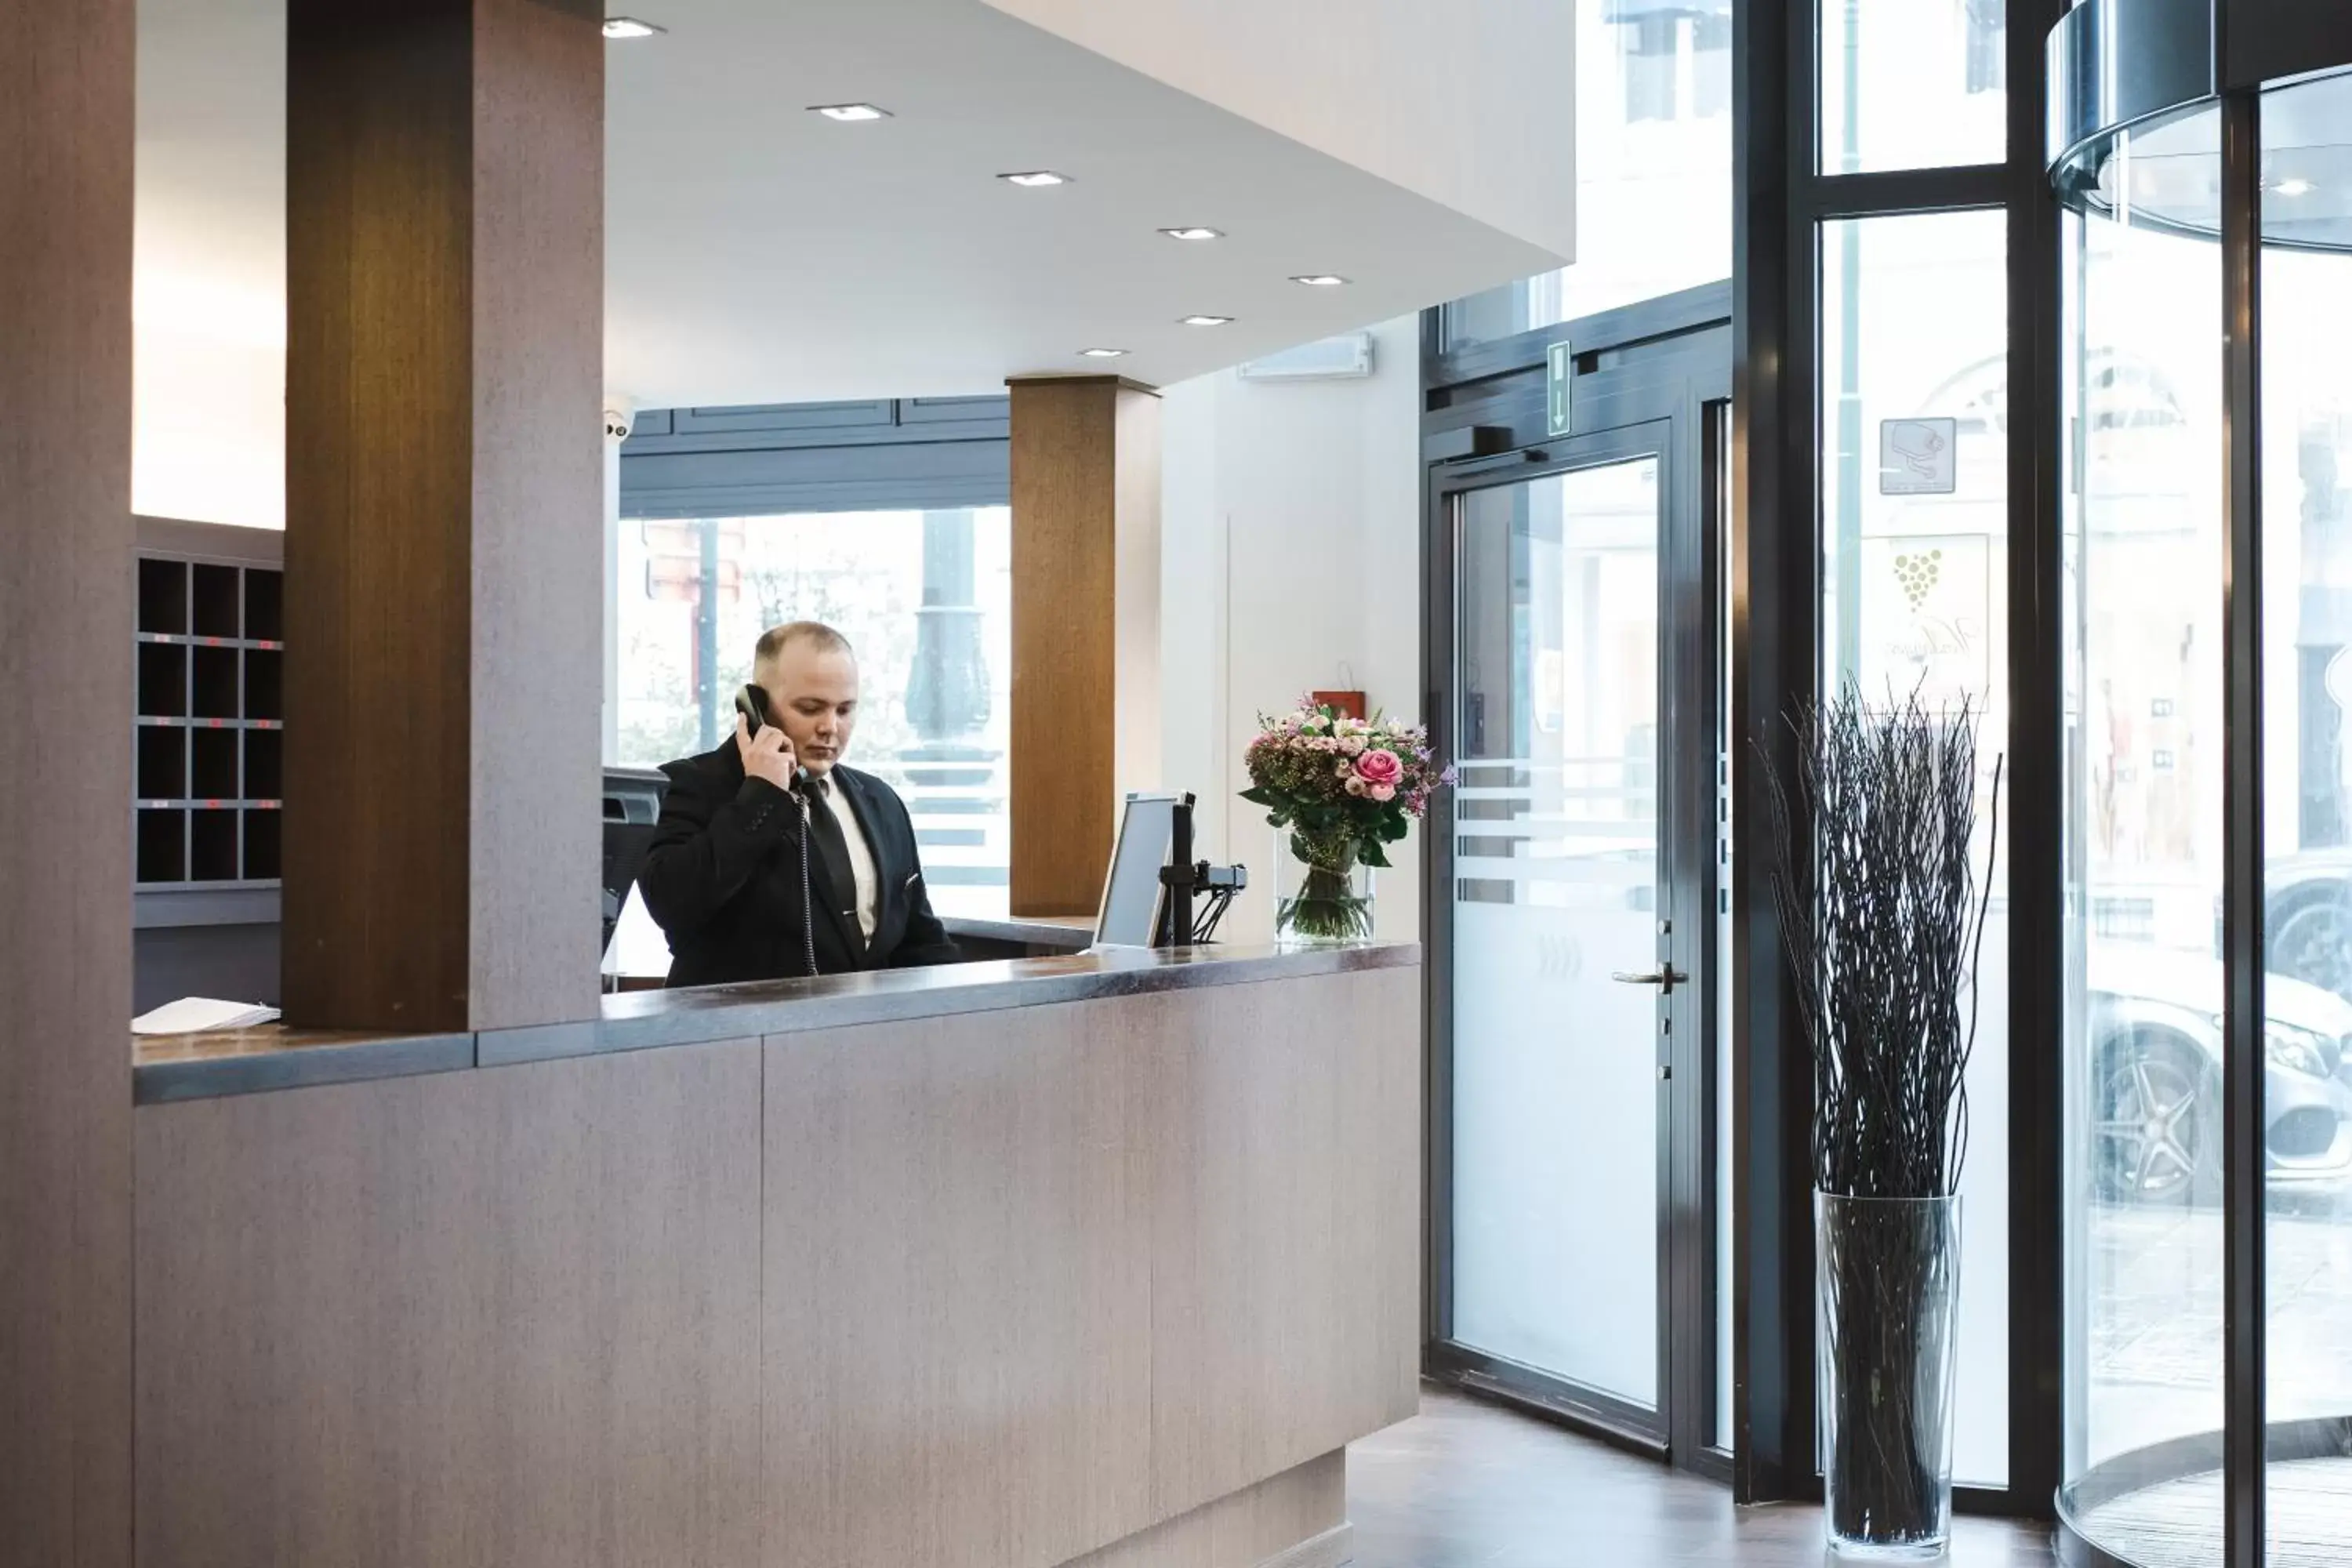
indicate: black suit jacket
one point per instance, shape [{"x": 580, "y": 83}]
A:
[{"x": 722, "y": 877}]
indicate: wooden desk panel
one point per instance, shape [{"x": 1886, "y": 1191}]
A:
[
  {"x": 1038, "y": 1281},
  {"x": 1295, "y": 1519},
  {"x": 1106, "y": 1282},
  {"x": 958, "y": 1277},
  {"x": 1286, "y": 1179},
  {"x": 480, "y": 1319}
]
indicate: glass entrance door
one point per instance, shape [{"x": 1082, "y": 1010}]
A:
[{"x": 1575, "y": 929}]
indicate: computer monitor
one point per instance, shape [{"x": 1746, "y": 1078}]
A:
[
  {"x": 635, "y": 949},
  {"x": 1135, "y": 899},
  {"x": 633, "y": 803}
]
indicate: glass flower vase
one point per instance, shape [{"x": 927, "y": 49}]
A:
[
  {"x": 1322, "y": 891},
  {"x": 1889, "y": 1275}
]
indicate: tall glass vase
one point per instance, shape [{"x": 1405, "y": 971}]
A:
[
  {"x": 1322, "y": 892},
  {"x": 1889, "y": 1275}
]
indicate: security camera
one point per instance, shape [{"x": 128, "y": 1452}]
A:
[{"x": 616, "y": 425}]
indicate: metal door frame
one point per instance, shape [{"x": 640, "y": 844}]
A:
[{"x": 1670, "y": 403}]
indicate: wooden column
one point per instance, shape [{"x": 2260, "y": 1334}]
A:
[
  {"x": 445, "y": 306},
  {"x": 1086, "y": 629},
  {"x": 68, "y": 113}
]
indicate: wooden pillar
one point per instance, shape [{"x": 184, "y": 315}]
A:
[
  {"x": 67, "y": 114},
  {"x": 1086, "y": 629},
  {"x": 444, "y": 480}
]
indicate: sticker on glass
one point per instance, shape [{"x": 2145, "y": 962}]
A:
[{"x": 1918, "y": 456}]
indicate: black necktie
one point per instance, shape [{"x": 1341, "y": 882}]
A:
[{"x": 832, "y": 853}]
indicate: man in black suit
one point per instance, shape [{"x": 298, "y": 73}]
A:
[{"x": 726, "y": 872}]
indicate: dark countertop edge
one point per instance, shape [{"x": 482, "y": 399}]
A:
[
  {"x": 214, "y": 1078},
  {"x": 786, "y": 1007},
  {"x": 749, "y": 1012},
  {"x": 1037, "y": 933}
]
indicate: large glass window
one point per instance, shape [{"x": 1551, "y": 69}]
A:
[
  {"x": 1652, "y": 169},
  {"x": 1915, "y": 530},
  {"x": 2144, "y": 706},
  {"x": 1912, "y": 84},
  {"x": 2146, "y": 1378},
  {"x": 924, "y": 597},
  {"x": 2307, "y": 474}
]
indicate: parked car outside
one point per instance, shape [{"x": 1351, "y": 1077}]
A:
[
  {"x": 2156, "y": 1079},
  {"x": 2307, "y": 917}
]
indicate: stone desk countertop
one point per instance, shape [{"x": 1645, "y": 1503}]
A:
[{"x": 168, "y": 1068}]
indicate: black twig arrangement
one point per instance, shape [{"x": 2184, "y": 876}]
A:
[{"x": 1884, "y": 922}]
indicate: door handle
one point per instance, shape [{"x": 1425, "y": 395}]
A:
[{"x": 1665, "y": 979}]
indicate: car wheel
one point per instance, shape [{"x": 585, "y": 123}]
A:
[
  {"x": 2154, "y": 1138},
  {"x": 2313, "y": 944}
]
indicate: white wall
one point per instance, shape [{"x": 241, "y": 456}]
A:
[
  {"x": 208, "y": 292},
  {"x": 1291, "y": 560}
]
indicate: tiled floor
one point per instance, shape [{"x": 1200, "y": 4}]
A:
[
  {"x": 2155, "y": 1319},
  {"x": 1466, "y": 1484}
]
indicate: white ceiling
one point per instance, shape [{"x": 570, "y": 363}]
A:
[{"x": 757, "y": 253}]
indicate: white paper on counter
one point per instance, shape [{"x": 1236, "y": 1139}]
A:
[{"x": 194, "y": 1015}]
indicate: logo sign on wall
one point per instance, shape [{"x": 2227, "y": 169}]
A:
[{"x": 1918, "y": 456}]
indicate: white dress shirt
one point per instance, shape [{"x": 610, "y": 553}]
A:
[{"x": 861, "y": 853}]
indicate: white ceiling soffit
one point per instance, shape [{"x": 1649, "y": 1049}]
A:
[
  {"x": 1470, "y": 103},
  {"x": 759, "y": 252}
]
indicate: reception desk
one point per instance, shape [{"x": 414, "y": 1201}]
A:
[{"x": 1096, "y": 1259}]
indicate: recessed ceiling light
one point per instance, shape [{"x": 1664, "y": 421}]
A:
[
  {"x": 2295, "y": 187},
  {"x": 849, "y": 112},
  {"x": 1204, "y": 321},
  {"x": 630, "y": 27},
  {"x": 1102, "y": 353},
  {"x": 1319, "y": 279},
  {"x": 1033, "y": 178},
  {"x": 1193, "y": 232}
]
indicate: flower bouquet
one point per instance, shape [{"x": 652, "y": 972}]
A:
[{"x": 1344, "y": 787}]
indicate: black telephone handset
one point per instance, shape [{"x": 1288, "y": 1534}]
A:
[{"x": 752, "y": 703}]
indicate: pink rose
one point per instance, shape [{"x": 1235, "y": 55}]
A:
[
  {"x": 1381, "y": 767},
  {"x": 1384, "y": 791}
]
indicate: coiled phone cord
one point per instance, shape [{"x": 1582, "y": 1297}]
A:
[{"x": 808, "y": 905}]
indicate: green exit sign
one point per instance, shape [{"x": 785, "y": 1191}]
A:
[{"x": 1560, "y": 370}]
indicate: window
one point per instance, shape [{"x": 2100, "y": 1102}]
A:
[
  {"x": 924, "y": 597},
  {"x": 1652, "y": 169},
  {"x": 2306, "y": 468},
  {"x": 2156, "y": 718},
  {"x": 1912, "y": 84},
  {"x": 2144, "y": 706},
  {"x": 1915, "y": 530}
]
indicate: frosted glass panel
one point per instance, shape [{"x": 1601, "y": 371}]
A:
[{"x": 1555, "y": 1065}]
